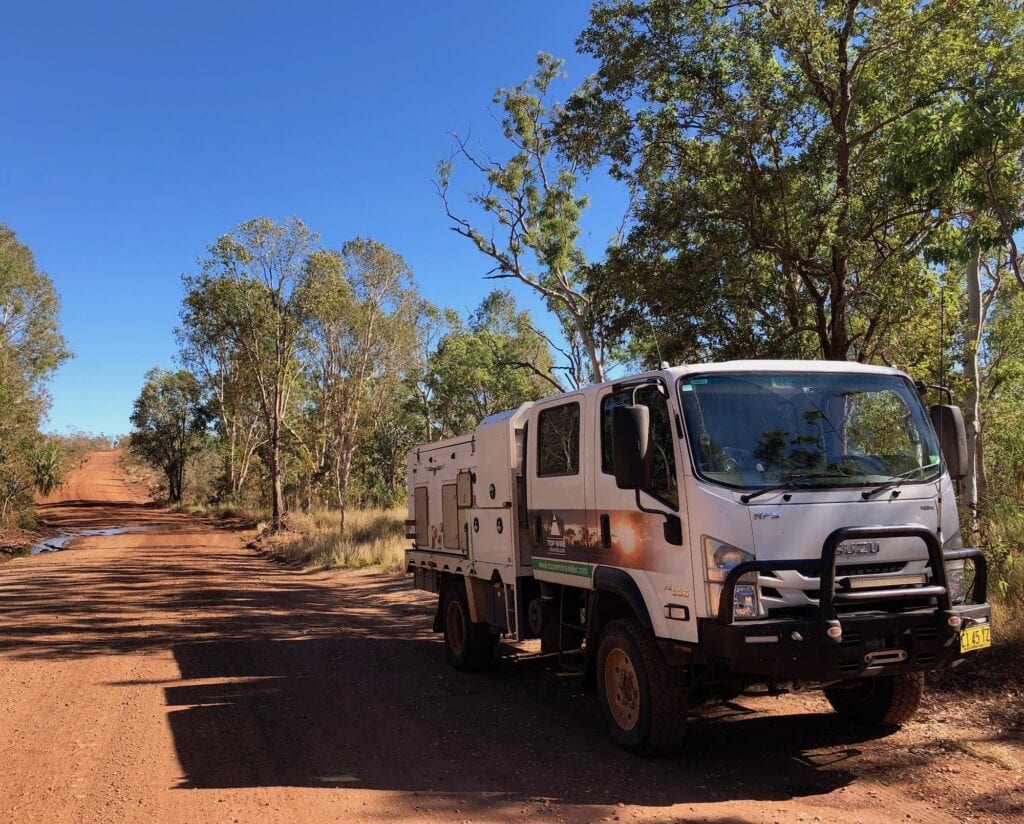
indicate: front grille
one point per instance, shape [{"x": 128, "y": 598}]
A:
[
  {"x": 843, "y": 570},
  {"x": 870, "y": 569}
]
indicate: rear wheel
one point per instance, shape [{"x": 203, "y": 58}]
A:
[
  {"x": 643, "y": 698},
  {"x": 888, "y": 700},
  {"x": 470, "y": 646}
]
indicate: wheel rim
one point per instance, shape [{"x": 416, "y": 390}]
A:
[
  {"x": 456, "y": 627},
  {"x": 622, "y": 689}
]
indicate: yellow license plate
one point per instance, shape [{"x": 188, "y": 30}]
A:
[{"x": 975, "y": 637}]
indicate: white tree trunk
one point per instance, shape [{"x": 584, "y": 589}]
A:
[{"x": 972, "y": 409}]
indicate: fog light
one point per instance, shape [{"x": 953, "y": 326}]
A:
[
  {"x": 954, "y": 621},
  {"x": 835, "y": 632},
  {"x": 955, "y": 581},
  {"x": 744, "y": 601}
]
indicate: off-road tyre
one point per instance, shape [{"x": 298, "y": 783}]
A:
[
  {"x": 469, "y": 645},
  {"x": 643, "y": 699},
  {"x": 887, "y": 701}
]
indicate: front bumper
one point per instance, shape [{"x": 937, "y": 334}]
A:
[{"x": 863, "y": 641}]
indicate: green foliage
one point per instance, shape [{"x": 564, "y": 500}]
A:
[
  {"x": 758, "y": 138},
  {"x": 31, "y": 348},
  {"x": 248, "y": 292},
  {"x": 48, "y": 470},
  {"x": 337, "y": 351},
  {"x": 530, "y": 201},
  {"x": 170, "y": 424},
  {"x": 31, "y": 344},
  {"x": 495, "y": 363},
  {"x": 358, "y": 343}
]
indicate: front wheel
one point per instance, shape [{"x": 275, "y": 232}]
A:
[
  {"x": 470, "y": 646},
  {"x": 888, "y": 700},
  {"x": 642, "y": 697}
]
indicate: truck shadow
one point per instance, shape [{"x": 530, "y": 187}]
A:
[{"x": 392, "y": 715}]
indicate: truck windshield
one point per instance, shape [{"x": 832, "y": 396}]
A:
[{"x": 757, "y": 430}]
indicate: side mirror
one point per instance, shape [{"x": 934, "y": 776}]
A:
[
  {"x": 949, "y": 426},
  {"x": 631, "y": 441}
]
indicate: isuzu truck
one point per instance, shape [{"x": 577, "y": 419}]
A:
[{"x": 697, "y": 531}]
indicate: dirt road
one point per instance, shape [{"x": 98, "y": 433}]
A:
[{"x": 175, "y": 675}]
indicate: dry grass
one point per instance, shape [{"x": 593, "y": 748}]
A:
[
  {"x": 247, "y": 514},
  {"x": 373, "y": 538},
  {"x": 1006, "y": 594},
  {"x": 139, "y": 472}
]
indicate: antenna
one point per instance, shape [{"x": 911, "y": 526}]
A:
[
  {"x": 942, "y": 334},
  {"x": 657, "y": 348}
]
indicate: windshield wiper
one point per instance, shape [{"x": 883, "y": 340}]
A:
[
  {"x": 895, "y": 481},
  {"x": 793, "y": 482}
]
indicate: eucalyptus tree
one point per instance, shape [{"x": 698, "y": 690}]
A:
[
  {"x": 209, "y": 349},
  {"x": 359, "y": 338},
  {"x": 529, "y": 212},
  {"x": 250, "y": 282},
  {"x": 31, "y": 349},
  {"x": 169, "y": 420},
  {"x": 495, "y": 362},
  {"x": 972, "y": 144},
  {"x": 756, "y": 137}
]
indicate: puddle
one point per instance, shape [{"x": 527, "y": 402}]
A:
[{"x": 58, "y": 542}]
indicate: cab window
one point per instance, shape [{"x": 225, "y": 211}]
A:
[{"x": 663, "y": 483}]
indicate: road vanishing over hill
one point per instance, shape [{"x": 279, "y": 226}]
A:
[{"x": 173, "y": 674}]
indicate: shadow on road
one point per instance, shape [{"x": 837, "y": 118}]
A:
[
  {"x": 391, "y": 715},
  {"x": 296, "y": 680}
]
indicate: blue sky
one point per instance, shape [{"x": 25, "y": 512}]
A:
[{"x": 134, "y": 135}]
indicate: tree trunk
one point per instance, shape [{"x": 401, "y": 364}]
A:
[
  {"x": 972, "y": 417},
  {"x": 838, "y": 345},
  {"x": 277, "y": 490}
]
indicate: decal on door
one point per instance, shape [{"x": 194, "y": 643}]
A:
[{"x": 632, "y": 540}]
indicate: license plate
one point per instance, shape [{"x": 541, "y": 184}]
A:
[{"x": 975, "y": 638}]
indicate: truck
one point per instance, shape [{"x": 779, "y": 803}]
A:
[{"x": 698, "y": 532}]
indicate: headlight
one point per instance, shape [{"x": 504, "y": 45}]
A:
[
  {"x": 955, "y": 581},
  {"x": 720, "y": 559}
]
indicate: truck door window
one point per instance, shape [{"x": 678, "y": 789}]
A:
[
  {"x": 558, "y": 441},
  {"x": 663, "y": 483}
]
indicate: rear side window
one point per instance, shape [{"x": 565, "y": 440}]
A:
[{"x": 558, "y": 441}]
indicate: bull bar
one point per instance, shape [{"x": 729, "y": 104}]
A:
[{"x": 832, "y": 645}]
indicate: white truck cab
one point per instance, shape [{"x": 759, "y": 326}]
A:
[{"x": 685, "y": 533}]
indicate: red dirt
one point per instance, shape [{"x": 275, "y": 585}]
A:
[{"x": 174, "y": 675}]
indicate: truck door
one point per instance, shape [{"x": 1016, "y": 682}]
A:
[
  {"x": 658, "y": 560},
  {"x": 559, "y": 486},
  {"x": 630, "y": 538}
]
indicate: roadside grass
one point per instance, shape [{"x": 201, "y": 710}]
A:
[
  {"x": 139, "y": 472},
  {"x": 1006, "y": 594},
  {"x": 1001, "y": 537},
  {"x": 373, "y": 538},
  {"x": 250, "y": 516}
]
